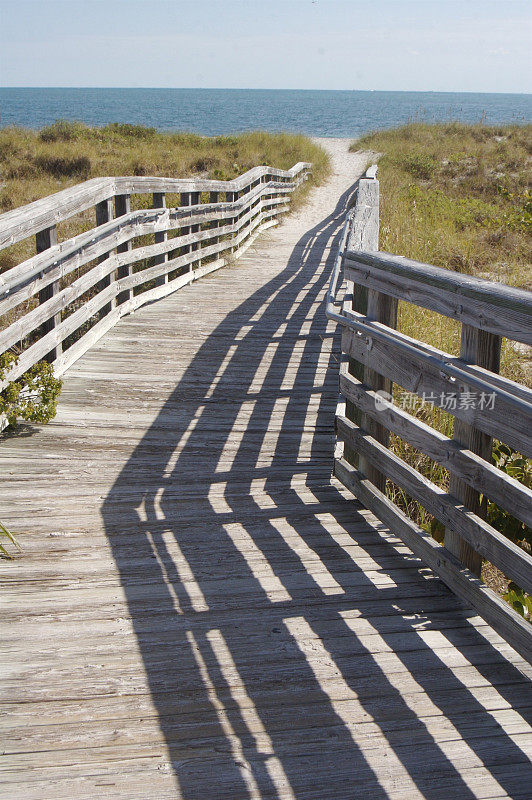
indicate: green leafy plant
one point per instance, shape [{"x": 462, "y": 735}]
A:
[
  {"x": 420, "y": 165},
  {"x": 32, "y": 396},
  {"x": 4, "y": 553},
  {"x": 520, "y": 468},
  {"x": 519, "y": 600}
]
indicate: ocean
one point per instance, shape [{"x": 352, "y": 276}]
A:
[{"x": 221, "y": 111}]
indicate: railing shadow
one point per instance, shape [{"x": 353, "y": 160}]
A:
[{"x": 225, "y": 513}]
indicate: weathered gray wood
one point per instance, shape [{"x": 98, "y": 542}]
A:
[
  {"x": 425, "y": 371},
  {"x": 382, "y": 309},
  {"x": 34, "y": 318},
  {"x": 489, "y": 605},
  {"x": 185, "y": 201},
  {"x": 159, "y": 201},
  {"x": 493, "y": 307},
  {"x": 30, "y": 219},
  {"x": 482, "y": 537},
  {"x": 214, "y": 197},
  {"x": 194, "y": 201},
  {"x": 236, "y": 247},
  {"x": 21, "y": 281},
  {"x": 415, "y": 367},
  {"x": 123, "y": 207},
  {"x": 379, "y": 307},
  {"x": 364, "y": 233},
  {"x": 467, "y": 466},
  {"x": 104, "y": 214},
  {"x": 22, "y": 222},
  {"x": 484, "y": 349},
  {"x": 237, "y": 233},
  {"x": 44, "y": 240},
  {"x": 231, "y": 197},
  {"x": 50, "y": 342}
]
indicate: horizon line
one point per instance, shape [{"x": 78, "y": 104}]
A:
[{"x": 277, "y": 89}]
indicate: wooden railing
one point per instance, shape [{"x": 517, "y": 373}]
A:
[
  {"x": 57, "y": 303},
  {"x": 485, "y": 406}
]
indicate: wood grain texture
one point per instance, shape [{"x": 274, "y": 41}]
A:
[
  {"x": 484, "y": 349},
  {"x": 430, "y": 373},
  {"x": 44, "y": 240},
  {"x": 465, "y": 584},
  {"x": 122, "y": 281},
  {"x": 84, "y": 247},
  {"x": 478, "y": 473},
  {"x": 198, "y": 612},
  {"x": 494, "y": 307},
  {"x": 512, "y": 560},
  {"x": 27, "y": 220}
]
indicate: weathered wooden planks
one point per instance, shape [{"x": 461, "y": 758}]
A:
[
  {"x": 494, "y": 546},
  {"x": 465, "y": 464},
  {"x": 490, "y": 606}
]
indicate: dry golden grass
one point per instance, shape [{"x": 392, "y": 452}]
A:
[
  {"x": 457, "y": 196},
  {"x": 34, "y": 164}
]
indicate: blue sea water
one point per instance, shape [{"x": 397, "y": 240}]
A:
[{"x": 222, "y": 111}]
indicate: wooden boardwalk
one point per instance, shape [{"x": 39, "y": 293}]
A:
[{"x": 200, "y": 612}]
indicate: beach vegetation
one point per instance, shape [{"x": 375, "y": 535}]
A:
[{"x": 35, "y": 164}]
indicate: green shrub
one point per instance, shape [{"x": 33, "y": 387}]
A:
[
  {"x": 33, "y": 396},
  {"x": 519, "y": 600},
  {"x": 79, "y": 167},
  {"x": 520, "y": 468},
  {"x": 124, "y": 129},
  {"x": 63, "y": 131},
  {"x": 419, "y": 165}
]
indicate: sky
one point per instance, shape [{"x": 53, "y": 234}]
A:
[{"x": 402, "y": 45}]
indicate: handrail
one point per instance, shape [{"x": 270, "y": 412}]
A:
[
  {"x": 85, "y": 284},
  {"x": 159, "y": 219},
  {"x": 369, "y": 175},
  {"x": 28, "y": 220},
  {"x": 376, "y": 356}
]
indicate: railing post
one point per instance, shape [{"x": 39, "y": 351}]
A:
[
  {"x": 194, "y": 201},
  {"x": 159, "y": 201},
  {"x": 380, "y": 308},
  {"x": 483, "y": 349},
  {"x": 104, "y": 213},
  {"x": 185, "y": 201},
  {"x": 214, "y": 198},
  {"x": 230, "y": 197},
  {"x": 123, "y": 206},
  {"x": 43, "y": 241},
  {"x": 376, "y": 306}
]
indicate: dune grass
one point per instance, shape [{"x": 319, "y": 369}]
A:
[
  {"x": 34, "y": 164},
  {"x": 457, "y": 196}
]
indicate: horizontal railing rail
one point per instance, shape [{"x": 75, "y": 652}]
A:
[
  {"x": 485, "y": 406},
  {"x": 32, "y": 218},
  {"x": 58, "y": 302}
]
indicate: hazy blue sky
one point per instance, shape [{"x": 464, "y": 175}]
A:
[{"x": 441, "y": 45}]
